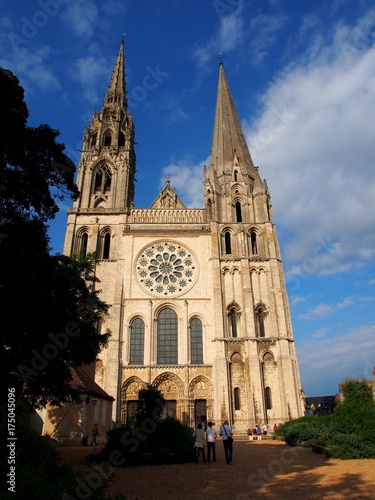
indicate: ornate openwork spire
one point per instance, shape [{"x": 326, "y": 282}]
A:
[{"x": 116, "y": 93}]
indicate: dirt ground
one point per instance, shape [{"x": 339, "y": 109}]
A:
[{"x": 261, "y": 469}]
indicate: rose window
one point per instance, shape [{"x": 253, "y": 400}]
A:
[{"x": 166, "y": 268}]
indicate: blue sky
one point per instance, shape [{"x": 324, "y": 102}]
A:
[{"x": 302, "y": 75}]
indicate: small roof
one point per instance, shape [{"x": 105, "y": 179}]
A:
[
  {"x": 168, "y": 198},
  {"x": 86, "y": 385}
]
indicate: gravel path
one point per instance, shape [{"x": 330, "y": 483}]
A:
[{"x": 261, "y": 469}]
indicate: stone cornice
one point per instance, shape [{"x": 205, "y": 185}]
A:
[{"x": 166, "y": 228}]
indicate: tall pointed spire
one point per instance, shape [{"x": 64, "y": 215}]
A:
[
  {"x": 116, "y": 93},
  {"x": 229, "y": 146}
]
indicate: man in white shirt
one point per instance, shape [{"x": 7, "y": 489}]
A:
[{"x": 210, "y": 437}]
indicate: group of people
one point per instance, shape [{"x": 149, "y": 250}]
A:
[{"x": 203, "y": 436}]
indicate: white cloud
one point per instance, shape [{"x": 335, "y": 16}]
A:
[
  {"x": 317, "y": 312},
  {"x": 32, "y": 68},
  {"x": 314, "y": 142},
  {"x": 326, "y": 310},
  {"x": 268, "y": 25},
  {"x": 89, "y": 71},
  {"x": 227, "y": 37},
  {"x": 187, "y": 180},
  {"x": 81, "y": 17},
  {"x": 328, "y": 362},
  {"x": 297, "y": 299}
]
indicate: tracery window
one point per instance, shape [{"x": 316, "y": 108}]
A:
[
  {"x": 167, "y": 347},
  {"x": 107, "y": 138},
  {"x": 196, "y": 341},
  {"x": 137, "y": 334},
  {"x": 121, "y": 139},
  {"x": 103, "y": 179}
]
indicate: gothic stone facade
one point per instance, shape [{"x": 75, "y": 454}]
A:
[{"x": 199, "y": 308}]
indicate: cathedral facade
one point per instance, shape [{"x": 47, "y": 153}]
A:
[{"x": 199, "y": 308}]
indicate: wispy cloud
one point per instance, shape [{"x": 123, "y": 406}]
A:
[
  {"x": 81, "y": 17},
  {"x": 326, "y": 126},
  {"x": 325, "y": 310},
  {"x": 350, "y": 354},
  {"x": 226, "y": 38},
  {"x": 297, "y": 299},
  {"x": 187, "y": 179}
]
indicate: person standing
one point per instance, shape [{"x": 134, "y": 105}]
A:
[
  {"x": 226, "y": 433},
  {"x": 95, "y": 433},
  {"x": 265, "y": 429},
  {"x": 211, "y": 435},
  {"x": 199, "y": 443}
]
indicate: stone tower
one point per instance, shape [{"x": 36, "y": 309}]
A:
[{"x": 199, "y": 308}]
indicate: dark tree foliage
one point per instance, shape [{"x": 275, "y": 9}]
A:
[
  {"x": 49, "y": 303},
  {"x": 150, "y": 405}
]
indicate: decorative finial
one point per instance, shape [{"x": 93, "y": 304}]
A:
[
  {"x": 123, "y": 37},
  {"x": 220, "y": 59},
  {"x": 167, "y": 180}
]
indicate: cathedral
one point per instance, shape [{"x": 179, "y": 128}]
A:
[{"x": 198, "y": 302}]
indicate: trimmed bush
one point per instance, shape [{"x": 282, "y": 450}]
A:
[{"x": 347, "y": 433}]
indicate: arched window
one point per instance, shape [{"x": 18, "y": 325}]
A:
[
  {"x": 253, "y": 242},
  {"x": 93, "y": 139},
  {"x": 236, "y": 175},
  {"x": 98, "y": 181},
  {"x": 237, "y": 403},
  {"x": 238, "y": 212},
  {"x": 233, "y": 322},
  {"x": 106, "y": 245},
  {"x": 260, "y": 322},
  {"x": 84, "y": 241},
  {"x": 228, "y": 243},
  {"x": 121, "y": 139},
  {"x": 103, "y": 179},
  {"x": 107, "y": 139},
  {"x": 268, "y": 398},
  {"x": 99, "y": 324},
  {"x": 137, "y": 340},
  {"x": 167, "y": 338},
  {"x": 196, "y": 342}
]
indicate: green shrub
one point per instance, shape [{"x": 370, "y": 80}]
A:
[
  {"x": 162, "y": 441},
  {"x": 347, "y": 433}
]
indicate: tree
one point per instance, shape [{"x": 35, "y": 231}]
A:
[
  {"x": 150, "y": 405},
  {"x": 48, "y": 301}
]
